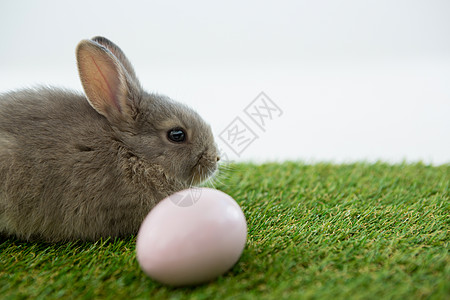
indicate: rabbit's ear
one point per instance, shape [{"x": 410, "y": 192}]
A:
[
  {"x": 118, "y": 53},
  {"x": 105, "y": 81}
]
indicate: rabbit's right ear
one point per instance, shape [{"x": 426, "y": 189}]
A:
[{"x": 106, "y": 84}]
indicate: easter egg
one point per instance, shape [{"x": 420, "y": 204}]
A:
[{"x": 191, "y": 237}]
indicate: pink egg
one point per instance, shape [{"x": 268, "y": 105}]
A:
[{"x": 191, "y": 237}]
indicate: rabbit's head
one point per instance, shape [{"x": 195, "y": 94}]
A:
[{"x": 152, "y": 127}]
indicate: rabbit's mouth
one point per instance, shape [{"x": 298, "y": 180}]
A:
[{"x": 203, "y": 169}]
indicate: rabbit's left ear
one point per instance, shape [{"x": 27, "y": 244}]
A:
[
  {"x": 107, "y": 84},
  {"x": 118, "y": 53}
]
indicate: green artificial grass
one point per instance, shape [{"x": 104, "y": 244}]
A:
[{"x": 352, "y": 231}]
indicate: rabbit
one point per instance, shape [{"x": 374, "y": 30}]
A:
[{"x": 75, "y": 167}]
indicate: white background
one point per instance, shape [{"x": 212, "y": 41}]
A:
[{"x": 356, "y": 80}]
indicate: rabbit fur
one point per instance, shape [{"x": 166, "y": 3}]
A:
[{"x": 75, "y": 167}]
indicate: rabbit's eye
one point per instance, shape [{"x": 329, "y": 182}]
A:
[{"x": 176, "y": 135}]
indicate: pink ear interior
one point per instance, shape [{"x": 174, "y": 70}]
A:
[
  {"x": 103, "y": 80},
  {"x": 118, "y": 53}
]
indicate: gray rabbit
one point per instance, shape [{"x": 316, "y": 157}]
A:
[{"x": 80, "y": 168}]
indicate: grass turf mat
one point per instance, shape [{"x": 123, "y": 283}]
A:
[{"x": 350, "y": 231}]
